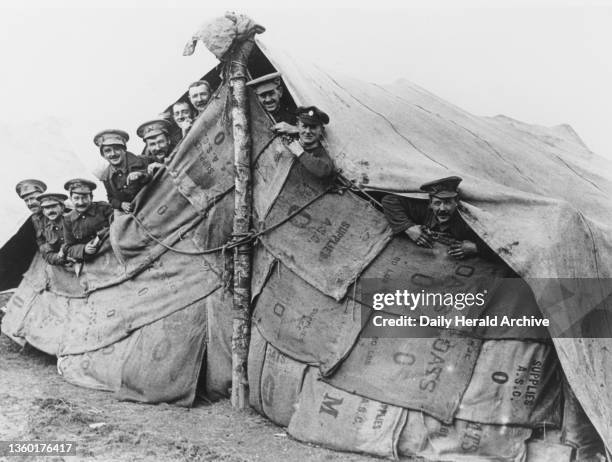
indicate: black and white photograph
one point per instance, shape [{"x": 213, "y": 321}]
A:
[{"x": 328, "y": 231}]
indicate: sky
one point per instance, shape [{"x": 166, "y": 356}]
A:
[{"x": 116, "y": 64}]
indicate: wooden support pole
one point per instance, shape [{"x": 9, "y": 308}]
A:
[{"x": 242, "y": 223}]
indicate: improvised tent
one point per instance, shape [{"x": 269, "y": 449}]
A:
[{"x": 142, "y": 317}]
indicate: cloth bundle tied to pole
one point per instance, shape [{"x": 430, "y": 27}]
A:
[{"x": 230, "y": 38}]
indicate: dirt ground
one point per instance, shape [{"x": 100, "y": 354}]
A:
[{"x": 37, "y": 404}]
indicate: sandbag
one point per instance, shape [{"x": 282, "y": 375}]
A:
[
  {"x": 425, "y": 436},
  {"x": 428, "y": 374},
  {"x": 303, "y": 323},
  {"x": 100, "y": 369},
  {"x": 164, "y": 363},
  {"x": 19, "y": 305},
  {"x": 45, "y": 326},
  {"x": 339, "y": 420},
  {"x": 110, "y": 314},
  {"x": 275, "y": 381},
  {"x": 514, "y": 383},
  {"x": 330, "y": 242},
  {"x": 270, "y": 172}
]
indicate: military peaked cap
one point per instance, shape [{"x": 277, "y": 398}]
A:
[
  {"x": 111, "y": 137},
  {"x": 80, "y": 186},
  {"x": 312, "y": 115},
  {"x": 51, "y": 198},
  {"x": 25, "y": 187},
  {"x": 153, "y": 128},
  {"x": 265, "y": 82},
  {"x": 443, "y": 188}
]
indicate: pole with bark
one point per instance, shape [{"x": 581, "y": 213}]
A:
[{"x": 242, "y": 222}]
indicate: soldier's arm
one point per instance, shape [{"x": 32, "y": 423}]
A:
[
  {"x": 403, "y": 213},
  {"x": 113, "y": 201},
  {"x": 50, "y": 256},
  {"x": 141, "y": 166},
  {"x": 74, "y": 250}
]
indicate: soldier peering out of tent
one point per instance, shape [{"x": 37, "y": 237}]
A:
[
  {"x": 308, "y": 148},
  {"x": 183, "y": 115},
  {"x": 126, "y": 173},
  {"x": 156, "y": 135},
  {"x": 199, "y": 95},
  {"x": 438, "y": 220},
  {"x": 28, "y": 191},
  {"x": 269, "y": 91},
  {"x": 50, "y": 238},
  {"x": 88, "y": 224}
]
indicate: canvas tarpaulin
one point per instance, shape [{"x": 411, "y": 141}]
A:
[{"x": 556, "y": 192}]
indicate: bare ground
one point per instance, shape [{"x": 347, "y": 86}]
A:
[{"x": 37, "y": 404}]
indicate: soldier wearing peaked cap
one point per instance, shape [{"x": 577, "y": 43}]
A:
[
  {"x": 308, "y": 148},
  {"x": 438, "y": 220},
  {"x": 87, "y": 225},
  {"x": 269, "y": 91},
  {"x": 50, "y": 238},
  {"x": 29, "y": 190},
  {"x": 126, "y": 173},
  {"x": 156, "y": 135}
]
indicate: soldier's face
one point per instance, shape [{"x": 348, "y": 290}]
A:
[
  {"x": 53, "y": 211},
  {"x": 31, "y": 201},
  {"x": 181, "y": 112},
  {"x": 310, "y": 134},
  {"x": 114, "y": 154},
  {"x": 199, "y": 96},
  {"x": 270, "y": 98},
  {"x": 443, "y": 208},
  {"x": 158, "y": 145},
  {"x": 81, "y": 201}
]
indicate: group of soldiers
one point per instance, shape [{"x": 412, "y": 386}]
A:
[
  {"x": 66, "y": 236},
  {"x": 71, "y": 234}
]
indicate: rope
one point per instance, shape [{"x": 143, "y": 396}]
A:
[{"x": 235, "y": 242}]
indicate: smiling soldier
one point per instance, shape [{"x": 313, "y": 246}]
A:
[
  {"x": 269, "y": 91},
  {"x": 126, "y": 173},
  {"x": 29, "y": 191},
  {"x": 183, "y": 115},
  {"x": 156, "y": 135},
  {"x": 308, "y": 148},
  {"x": 50, "y": 239},
  {"x": 438, "y": 220},
  {"x": 199, "y": 94},
  {"x": 87, "y": 224}
]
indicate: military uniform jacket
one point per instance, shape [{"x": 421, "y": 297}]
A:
[
  {"x": 284, "y": 115},
  {"x": 317, "y": 162},
  {"x": 402, "y": 213},
  {"x": 80, "y": 228},
  {"x": 50, "y": 240},
  {"x": 115, "y": 180}
]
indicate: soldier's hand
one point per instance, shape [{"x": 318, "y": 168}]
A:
[
  {"x": 127, "y": 207},
  {"x": 91, "y": 248},
  {"x": 283, "y": 128},
  {"x": 154, "y": 167},
  {"x": 462, "y": 250},
  {"x": 134, "y": 176},
  {"x": 417, "y": 235},
  {"x": 296, "y": 148}
]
